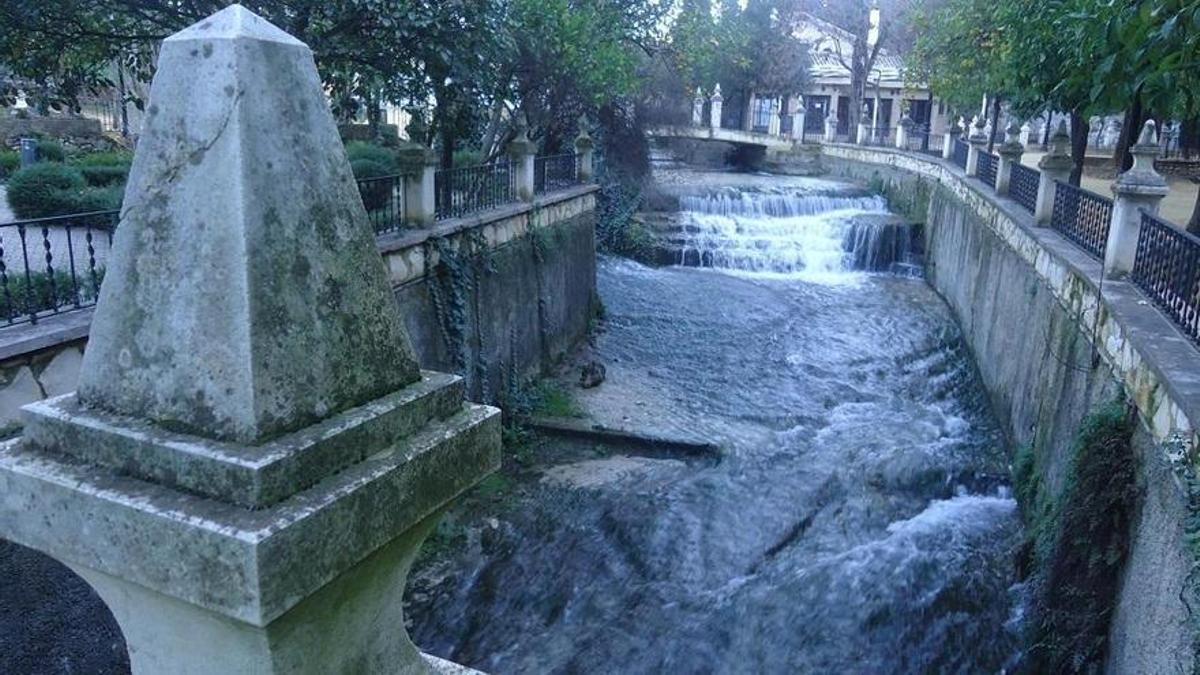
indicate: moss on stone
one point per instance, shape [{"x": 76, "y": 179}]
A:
[{"x": 1078, "y": 541}]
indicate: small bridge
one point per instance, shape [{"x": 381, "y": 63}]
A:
[{"x": 735, "y": 136}]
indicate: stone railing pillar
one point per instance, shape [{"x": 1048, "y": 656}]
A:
[
  {"x": 698, "y": 108},
  {"x": 1055, "y": 166},
  {"x": 232, "y": 490},
  {"x": 522, "y": 152},
  {"x": 584, "y": 149},
  {"x": 419, "y": 165},
  {"x": 949, "y": 140},
  {"x": 903, "y": 130},
  {"x": 799, "y": 118},
  {"x": 1010, "y": 154},
  {"x": 977, "y": 139},
  {"x": 1141, "y": 188},
  {"x": 864, "y": 132},
  {"x": 831, "y": 123},
  {"x": 776, "y": 123},
  {"x": 715, "y": 111}
]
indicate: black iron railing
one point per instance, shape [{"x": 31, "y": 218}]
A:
[
  {"x": 50, "y": 265},
  {"x": 383, "y": 198},
  {"x": 986, "y": 169},
  {"x": 1023, "y": 185},
  {"x": 1167, "y": 268},
  {"x": 555, "y": 172},
  {"x": 459, "y": 192},
  {"x": 881, "y": 136},
  {"x": 1082, "y": 216},
  {"x": 925, "y": 142},
  {"x": 959, "y": 156}
]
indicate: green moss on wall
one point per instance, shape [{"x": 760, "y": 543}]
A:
[{"x": 1078, "y": 543}]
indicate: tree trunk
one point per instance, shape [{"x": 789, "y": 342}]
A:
[
  {"x": 1046, "y": 130},
  {"x": 1130, "y": 129},
  {"x": 1079, "y": 139},
  {"x": 995, "y": 122}
]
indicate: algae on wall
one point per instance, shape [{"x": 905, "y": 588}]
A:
[{"x": 1079, "y": 541}]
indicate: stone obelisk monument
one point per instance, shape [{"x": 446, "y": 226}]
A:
[{"x": 253, "y": 456}]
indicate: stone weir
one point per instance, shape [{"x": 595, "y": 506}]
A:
[
  {"x": 1055, "y": 342},
  {"x": 253, "y": 456}
]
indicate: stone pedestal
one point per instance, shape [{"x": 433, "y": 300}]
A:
[
  {"x": 698, "y": 108},
  {"x": 522, "y": 152},
  {"x": 977, "y": 140},
  {"x": 715, "y": 109},
  {"x": 864, "y": 133},
  {"x": 253, "y": 456},
  {"x": 903, "y": 130},
  {"x": 831, "y": 123},
  {"x": 1138, "y": 190},
  {"x": 584, "y": 148},
  {"x": 776, "y": 122},
  {"x": 1010, "y": 154},
  {"x": 949, "y": 141},
  {"x": 1055, "y": 166},
  {"x": 419, "y": 164}
]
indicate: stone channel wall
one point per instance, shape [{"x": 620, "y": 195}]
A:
[
  {"x": 1025, "y": 299},
  {"x": 493, "y": 296}
]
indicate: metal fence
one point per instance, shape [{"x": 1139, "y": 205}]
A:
[
  {"x": 51, "y": 265},
  {"x": 1023, "y": 185},
  {"x": 1167, "y": 268},
  {"x": 460, "y": 192},
  {"x": 881, "y": 136},
  {"x": 383, "y": 198},
  {"x": 1082, "y": 216},
  {"x": 555, "y": 172},
  {"x": 986, "y": 169},
  {"x": 959, "y": 156}
]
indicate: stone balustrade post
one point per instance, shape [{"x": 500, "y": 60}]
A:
[
  {"x": 831, "y": 123},
  {"x": 799, "y": 118},
  {"x": 903, "y": 130},
  {"x": 253, "y": 456},
  {"x": 584, "y": 149},
  {"x": 950, "y": 140},
  {"x": 522, "y": 152},
  {"x": 698, "y": 108},
  {"x": 1139, "y": 189},
  {"x": 418, "y": 163},
  {"x": 776, "y": 123},
  {"x": 715, "y": 111},
  {"x": 977, "y": 139},
  {"x": 1010, "y": 154},
  {"x": 863, "y": 135},
  {"x": 1055, "y": 166}
]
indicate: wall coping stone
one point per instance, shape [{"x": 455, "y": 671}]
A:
[{"x": 1133, "y": 333}]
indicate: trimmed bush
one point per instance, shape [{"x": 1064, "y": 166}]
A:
[
  {"x": 43, "y": 189},
  {"x": 10, "y": 161},
  {"x": 374, "y": 195},
  {"x": 48, "y": 189},
  {"x": 103, "y": 176},
  {"x": 50, "y": 151},
  {"x": 361, "y": 150}
]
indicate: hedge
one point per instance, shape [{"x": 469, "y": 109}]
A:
[{"x": 49, "y": 189}]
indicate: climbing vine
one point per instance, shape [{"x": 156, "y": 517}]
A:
[{"x": 454, "y": 288}]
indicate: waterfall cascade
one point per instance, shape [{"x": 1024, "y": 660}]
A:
[{"x": 816, "y": 235}]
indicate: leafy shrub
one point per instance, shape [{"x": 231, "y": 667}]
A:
[
  {"x": 49, "y": 189},
  {"x": 50, "y": 151},
  {"x": 375, "y": 194},
  {"x": 109, "y": 158},
  {"x": 43, "y": 189},
  {"x": 102, "y": 176},
  {"x": 467, "y": 158},
  {"x": 10, "y": 161},
  {"x": 21, "y": 296},
  {"x": 361, "y": 150}
]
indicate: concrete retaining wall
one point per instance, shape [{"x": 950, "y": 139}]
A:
[
  {"x": 1026, "y": 300},
  {"x": 514, "y": 295}
]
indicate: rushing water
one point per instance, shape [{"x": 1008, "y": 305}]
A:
[{"x": 857, "y": 522}]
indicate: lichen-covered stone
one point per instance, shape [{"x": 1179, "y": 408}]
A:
[{"x": 245, "y": 297}]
